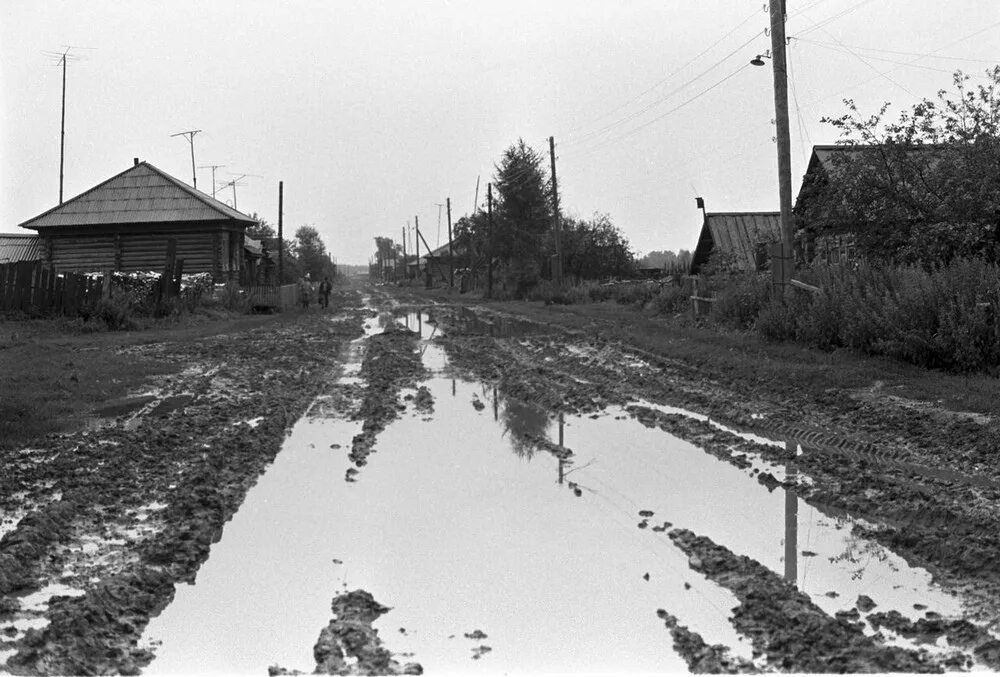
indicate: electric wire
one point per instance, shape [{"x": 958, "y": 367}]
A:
[
  {"x": 820, "y": 24},
  {"x": 926, "y": 55},
  {"x": 604, "y": 142},
  {"x": 585, "y": 137},
  {"x": 675, "y": 71},
  {"x": 834, "y": 48},
  {"x": 803, "y": 131},
  {"x": 866, "y": 63}
]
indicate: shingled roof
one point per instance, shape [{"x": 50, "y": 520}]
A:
[
  {"x": 140, "y": 194},
  {"x": 15, "y": 247}
]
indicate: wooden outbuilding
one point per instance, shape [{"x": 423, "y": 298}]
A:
[
  {"x": 20, "y": 247},
  {"x": 743, "y": 236},
  {"x": 125, "y": 224}
]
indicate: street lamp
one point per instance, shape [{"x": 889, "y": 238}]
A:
[{"x": 759, "y": 59}]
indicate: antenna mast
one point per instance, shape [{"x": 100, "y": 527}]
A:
[{"x": 190, "y": 137}]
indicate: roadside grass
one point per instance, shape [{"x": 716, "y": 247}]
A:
[{"x": 52, "y": 374}]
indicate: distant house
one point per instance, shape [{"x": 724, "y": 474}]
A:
[
  {"x": 125, "y": 223},
  {"x": 18, "y": 247},
  {"x": 743, "y": 236}
]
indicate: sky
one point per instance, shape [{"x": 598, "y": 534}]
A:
[{"x": 373, "y": 113}]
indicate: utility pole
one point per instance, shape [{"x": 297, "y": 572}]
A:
[
  {"x": 281, "y": 243},
  {"x": 475, "y": 203},
  {"x": 420, "y": 238},
  {"x": 557, "y": 271},
  {"x": 213, "y": 168},
  {"x": 404, "y": 253},
  {"x": 783, "y": 141},
  {"x": 416, "y": 241},
  {"x": 62, "y": 128},
  {"x": 194, "y": 174},
  {"x": 451, "y": 260},
  {"x": 489, "y": 239}
]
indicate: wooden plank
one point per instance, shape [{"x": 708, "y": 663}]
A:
[{"x": 805, "y": 286}]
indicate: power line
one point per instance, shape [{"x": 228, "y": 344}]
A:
[
  {"x": 803, "y": 132},
  {"x": 820, "y": 24},
  {"x": 662, "y": 99},
  {"x": 834, "y": 48},
  {"x": 671, "y": 111},
  {"x": 679, "y": 69},
  {"x": 893, "y": 51}
]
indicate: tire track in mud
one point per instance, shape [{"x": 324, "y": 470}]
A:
[{"x": 197, "y": 461}]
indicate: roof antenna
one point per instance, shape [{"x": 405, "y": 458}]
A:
[
  {"x": 190, "y": 137},
  {"x": 61, "y": 59}
]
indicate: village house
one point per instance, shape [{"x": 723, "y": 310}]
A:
[{"x": 125, "y": 223}]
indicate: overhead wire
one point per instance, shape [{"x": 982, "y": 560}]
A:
[
  {"x": 803, "y": 132},
  {"x": 676, "y": 108},
  {"x": 834, "y": 48},
  {"x": 585, "y": 137},
  {"x": 676, "y": 70},
  {"x": 926, "y": 55},
  {"x": 824, "y": 22}
]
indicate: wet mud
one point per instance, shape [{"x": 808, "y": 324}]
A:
[
  {"x": 124, "y": 512},
  {"x": 349, "y": 645},
  {"x": 787, "y": 630},
  {"x": 391, "y": 363}
]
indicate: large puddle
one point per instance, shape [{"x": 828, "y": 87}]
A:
[{"x": 460, "y": 525}]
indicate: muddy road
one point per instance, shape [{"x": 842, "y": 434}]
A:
[{"x": 405, "y": 484}]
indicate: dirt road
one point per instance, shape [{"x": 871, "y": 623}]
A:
[{"x": 410, "y": 483}]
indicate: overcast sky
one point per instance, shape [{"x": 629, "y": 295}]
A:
[{"x": 373, "y": 112}]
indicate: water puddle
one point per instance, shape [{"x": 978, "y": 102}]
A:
[
  {"x": 469, "y": 321},
  {"x": 498, "y": 555}
]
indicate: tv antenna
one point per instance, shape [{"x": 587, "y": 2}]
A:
[
  {"x": 438, "y": 243},
  {"x": 213, "y": 168},
  {"x": 236, "y": 182},
  {"x": 190, "y": 137},
  {"x": 61, "y": 59}
]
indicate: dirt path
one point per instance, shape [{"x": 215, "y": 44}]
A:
[{"x": 97, "y": 526}]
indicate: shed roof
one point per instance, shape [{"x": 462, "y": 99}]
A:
[
  {"x": 737, "y": 233},
  {"x": 140, "y": 194},
  {"x": 16, "y": 247}
]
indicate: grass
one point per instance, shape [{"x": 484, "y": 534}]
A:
[{"x": 54, "y": 374}]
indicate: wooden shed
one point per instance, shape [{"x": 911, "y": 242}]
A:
[
  {"x": 743, "y": 235},
  {"x": 125, "y": 223}
]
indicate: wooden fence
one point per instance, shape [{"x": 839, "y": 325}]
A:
[
  {"x": 280, "y": 298},
  {"x": 35, "y": 289}
]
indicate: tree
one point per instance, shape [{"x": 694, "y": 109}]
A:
[
  {"x": 261, "y": 230},
  {"x": 311, "y": 253},
  {"x": 522, "y": 215},
  {"x": 596, "y": 249},
  {"x": 925, "y": 188}
]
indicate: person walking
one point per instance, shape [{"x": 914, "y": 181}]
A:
[
  {"x": 325, "y": 287},
  {"x": 305, "y": 291}
]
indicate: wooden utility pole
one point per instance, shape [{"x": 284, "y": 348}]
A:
[
  {"x": 451, "y": 260},
  {"x": 489, "y": 239},
  {"x": 405, "y": 272},
  {"x": 557, "y": 268},
  {"x": 783, "y": 141},
  {"x": 281, "y": 242},
  {"x": 62, "y": 131}
]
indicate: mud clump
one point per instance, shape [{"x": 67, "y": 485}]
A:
[
  {"x": 785, "y": 627},
  {"x": 349, "y": 645},
  {"x": 928, "y": 630},
  {"x": 699, "y": 655},
  {"x": 423, "y": 401}
]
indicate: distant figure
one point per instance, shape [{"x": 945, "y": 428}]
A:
[
  {"x": 325, "y": 287},
  {"x": 305, "y": 291}
]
